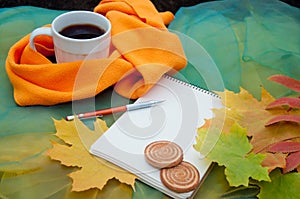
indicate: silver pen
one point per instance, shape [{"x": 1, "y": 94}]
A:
[{"x": 128, "y": 107}]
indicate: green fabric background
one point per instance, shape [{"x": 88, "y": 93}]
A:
[
  {"x": 228, "y": 44},
  {"x": 15, "y": 23},
  {"x": 248, "y": 40}
]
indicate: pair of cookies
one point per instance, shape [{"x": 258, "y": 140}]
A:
[{"x": 176, "y": 174}]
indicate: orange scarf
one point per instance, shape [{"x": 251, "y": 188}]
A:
[{"x": 144, "y": 50}]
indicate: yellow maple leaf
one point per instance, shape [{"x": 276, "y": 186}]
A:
[{"x": 93, "y": 172}]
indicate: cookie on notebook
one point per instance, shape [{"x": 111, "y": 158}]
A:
[
  {"x": 182, "y": 178},
  {"x": 163, "y": 154}
]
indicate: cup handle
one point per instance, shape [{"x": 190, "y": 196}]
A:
[{"x": 36, "y": 32}]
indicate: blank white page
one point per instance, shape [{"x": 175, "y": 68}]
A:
[{"x": 176, "y": 119}]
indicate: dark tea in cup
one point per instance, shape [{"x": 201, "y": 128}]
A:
[
  {"x": 77, "y": 35},
  {"x": 82, "y": 31}
]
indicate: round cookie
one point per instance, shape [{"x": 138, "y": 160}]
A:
[
  {"x": 182, "y": 178},
  {"x": 163, "y": 154}
]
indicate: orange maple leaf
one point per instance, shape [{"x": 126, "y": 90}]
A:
[
  {"x": 93, "y": 172},
  {"x": 251, "y": 114}
]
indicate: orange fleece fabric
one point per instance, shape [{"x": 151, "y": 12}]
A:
[{"x": 142, "y": 51}]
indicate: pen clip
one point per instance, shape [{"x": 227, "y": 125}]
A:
[{"x": 91, "y": 117}]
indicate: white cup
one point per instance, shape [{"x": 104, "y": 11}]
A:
[{"x": 69, "y": 49}]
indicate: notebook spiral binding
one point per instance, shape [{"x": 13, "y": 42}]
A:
[{"x": 191, "y": 86}]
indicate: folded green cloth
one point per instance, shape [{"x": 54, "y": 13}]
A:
[{"x": 249, "y": 40}]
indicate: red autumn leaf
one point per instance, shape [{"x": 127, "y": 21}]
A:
[
  {"x": 283, "y": 118},
  {"x": 286, "y": 81},
  {"x": 285, "y": 101},
  {"x": 292, "y": 162},
  {"x": 284, "y": 147}
]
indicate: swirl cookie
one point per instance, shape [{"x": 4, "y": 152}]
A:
[
  {"x": 181, "y": 178},
  {"x": 163, "y": 154}
]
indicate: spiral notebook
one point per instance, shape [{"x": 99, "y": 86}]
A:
[{"x": 176, "y": 119}]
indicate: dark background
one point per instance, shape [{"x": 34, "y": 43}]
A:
[{"x": 161, "y": 5}]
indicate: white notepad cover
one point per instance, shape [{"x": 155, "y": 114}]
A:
[{"x": 176, "y": 119}]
